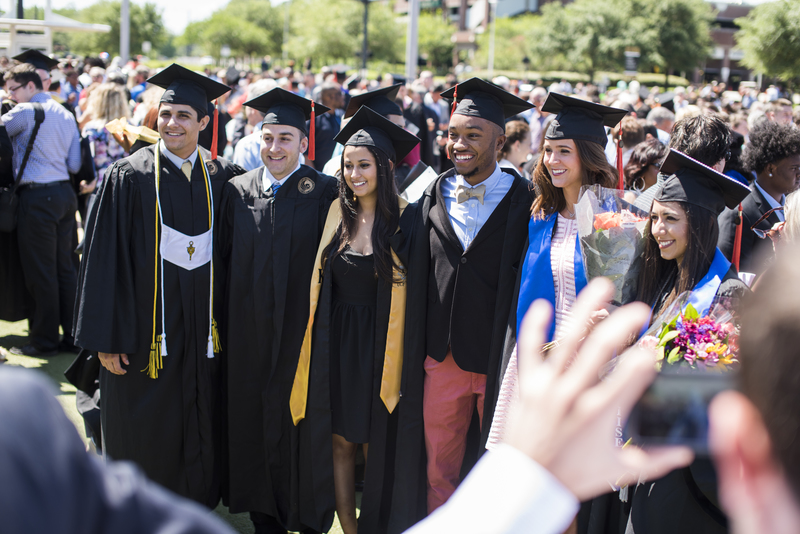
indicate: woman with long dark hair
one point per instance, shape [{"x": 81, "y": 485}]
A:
[
  {"x": 681, "y": 255},
  {"x": 641, "y": 171},
  {"x": 348, "y": 380},
  {"x": 572, "y": 156}
]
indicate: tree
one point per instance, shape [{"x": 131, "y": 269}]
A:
[
  {"x": 770, "y": 39},
  {"x": 586, "y": 35},
  {"x": 248, "y": 27},
  {"x": 331, "y": 30},
  {"x": 511, "y": 36},
  {"x": 434, "y": 41},
  {"x": 676, "y": 34},
  {"x": 146, "y": 24}
]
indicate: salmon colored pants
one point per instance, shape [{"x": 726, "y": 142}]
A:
[{"x": 450, "y": 396}]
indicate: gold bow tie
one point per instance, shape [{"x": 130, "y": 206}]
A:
[{"x": 464, "y": 193}]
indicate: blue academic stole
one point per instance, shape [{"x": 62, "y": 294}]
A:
[
  {"x": 706, "y": 289},
  {"x": 537, "y": 273}
]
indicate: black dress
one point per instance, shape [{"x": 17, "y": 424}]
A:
[{"x": 352, "y": 351}]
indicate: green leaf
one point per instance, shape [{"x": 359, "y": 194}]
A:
[
  {"x": 690, "y": 313},
  {"x": 669, "y": 336},
  {"x": 659, "y": 354},
  {"x": 674, "y": 355}
]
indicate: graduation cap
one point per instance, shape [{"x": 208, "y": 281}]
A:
[
  {"x": 580, "y": 119},
  {"x": 666, "y": 100},
  {"x": 380, "y": 100},
  {"x": 479, "y": 98},
  {"x": 695, "y": 183},
  {"x": 37, "y": 59},
  {"x": 369, "y": 128},
  {"x": 644, "y": 93},
  {"x": 284, "y": 107},
  {"x": 183, "y": 86}
]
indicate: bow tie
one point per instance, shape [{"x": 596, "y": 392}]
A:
[{"x": 464, "y": 193}]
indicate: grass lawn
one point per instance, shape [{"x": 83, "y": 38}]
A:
[{"x": 15, "y": 334}]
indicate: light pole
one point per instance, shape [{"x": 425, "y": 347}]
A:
[
  {"x": 492, "y": 3},
  {"x": 125, "y": 32},
  {"x": 412, "y": 45},
  {"x": 364, "y": 46}
]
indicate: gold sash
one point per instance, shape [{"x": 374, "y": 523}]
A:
[{"x": 393, "y": 356}]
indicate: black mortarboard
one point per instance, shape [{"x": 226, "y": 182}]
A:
[
  {"x": 369, "y": 128},
  {"x": 667, "y": 100},
  {"x": 694, "y": 183},
  {"x": 479, "y": 98},
  {"x": 37, "y": 59},
  {"x": 380, "y": 100},
  {"x": 580, "y": 119},
  {"x": 187, "y": 87},
  {"x": 644, "y": 93},
  {"x": 284, "y": 107}
]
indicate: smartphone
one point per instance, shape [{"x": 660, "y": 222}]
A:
[{"x": 674, "y": 409}]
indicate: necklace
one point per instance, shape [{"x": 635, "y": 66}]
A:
[{"x": 571, "y": 214}]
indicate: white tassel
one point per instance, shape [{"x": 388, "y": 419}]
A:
[
  {"x": 623, "y": 494},
  {"x": 164, "y": 344},
  {"x": 210, "y": 349}
]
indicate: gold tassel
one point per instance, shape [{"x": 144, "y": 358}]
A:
[
  {"x": 215, "y": 335},
  {"x": 156, "y": 361}
]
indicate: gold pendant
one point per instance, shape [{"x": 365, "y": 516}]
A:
[{"x": 190, "y": 249}]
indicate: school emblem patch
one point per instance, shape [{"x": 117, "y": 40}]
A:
[{"x": 306, "y": 185}]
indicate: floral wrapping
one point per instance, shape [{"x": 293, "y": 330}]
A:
[{"x": 611, "y": 233}]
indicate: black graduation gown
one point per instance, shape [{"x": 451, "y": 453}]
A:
[
  {"x": 409, "y": 500},
  {"x": 268, "y": 244},
  {"x": 168, "y": 425},
  {"x": 685, "y": 500},
  {"x": 316, "y": 454}
]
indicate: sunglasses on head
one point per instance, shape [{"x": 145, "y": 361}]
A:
[{"x": 763, "y": 233}]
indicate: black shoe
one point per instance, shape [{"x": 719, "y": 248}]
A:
[
  {"x": 66, "y": 345},
  {"x": 30, "y": 350}
]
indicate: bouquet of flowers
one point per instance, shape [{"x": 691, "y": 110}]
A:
[
  {"x": 611, "y": 233},
  {"x": 683, "y": 337}
]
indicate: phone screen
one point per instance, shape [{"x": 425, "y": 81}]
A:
[{"x": 674, "y": 409}]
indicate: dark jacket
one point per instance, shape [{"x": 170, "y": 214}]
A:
[{"x": 756, "y": 253}]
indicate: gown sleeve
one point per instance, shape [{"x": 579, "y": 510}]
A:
[{"x": 105, "y": 314}]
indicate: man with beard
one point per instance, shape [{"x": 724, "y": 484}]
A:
[
  {"x": 271, "y": 223},
  {"x": 148, "y": 285},
  {"x": 476, "y": 218}
]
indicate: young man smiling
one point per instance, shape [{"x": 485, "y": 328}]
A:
[
  {"x": 476, "y": 218},
  {"x": 271, "y": 223},
  {"x": 149, "y": 282}
]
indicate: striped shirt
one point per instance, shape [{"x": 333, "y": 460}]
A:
[
  {"x": 57, "y": 149},
  {"x": 562, "y": 261}
]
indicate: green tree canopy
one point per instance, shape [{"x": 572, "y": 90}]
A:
[
  {"x": 434, "y": 41},
  {"x": 770, "y": 39},
  {"x": 247, "y": 27},
  {"x": 675, "y": 34},
  {"x": 332, "y": 30},
  {"x": 511, "y": 36},
  {"x": 146, "y": 24}
]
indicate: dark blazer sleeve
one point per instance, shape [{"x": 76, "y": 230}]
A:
[{"x": 50, "y": 483}]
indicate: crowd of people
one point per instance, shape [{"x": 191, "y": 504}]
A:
[{"x": 262, "y": 308}]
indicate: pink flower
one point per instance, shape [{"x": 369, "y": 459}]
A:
[{"x": 648, "y": 342}]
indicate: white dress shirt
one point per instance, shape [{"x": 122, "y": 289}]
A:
[
  {"x": 506, "y": 492},
  {"x": 267, "y": 179},
  {"x": 772, "y": 202},
  {"x": 176, "y": 160},
  {"x": 469, "y": 217}
]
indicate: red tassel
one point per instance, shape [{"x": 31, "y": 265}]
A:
[
  {"x": 452, "y": 110},
  {"x": 312, "y": 153},
  {"x": 620, "y": 170},
  {"x": 214, "y": 132},
  {"x": 737, "y": 241}
]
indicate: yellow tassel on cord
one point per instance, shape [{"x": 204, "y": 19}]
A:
[
  {"x": 215, "y": 335},
  {"x": 156, "y": 361}
]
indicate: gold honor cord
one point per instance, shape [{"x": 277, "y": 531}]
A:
[
  {"x": 393, "y": 356},
  {"x": 158, "y": 346}
]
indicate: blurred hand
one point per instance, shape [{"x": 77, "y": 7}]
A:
[
  {"x": 85, "y": 188},
  {"x": 566, "y": 416},
  {"x": 112, "y": 362}
]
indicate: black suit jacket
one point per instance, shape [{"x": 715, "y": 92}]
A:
[{"x": 756, "y": 253}]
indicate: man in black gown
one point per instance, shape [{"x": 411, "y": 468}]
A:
[
  {"x": 146, "y": 309},
  {"x": 476, "y": 218},
  {"x": 271, "y": 223}
]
